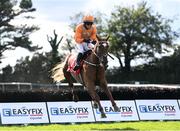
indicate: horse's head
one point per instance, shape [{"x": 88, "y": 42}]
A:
[{"x": 101, "y": 47}]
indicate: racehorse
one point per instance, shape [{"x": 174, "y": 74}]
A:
[{"x": 92, "y": 73}]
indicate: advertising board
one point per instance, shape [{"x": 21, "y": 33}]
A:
[
  {"x": 22, "y": 113},
  {"x": 158, "y": 109},
  {"x": 127, "y": 112},
  {"x": 64, "y": 112}
]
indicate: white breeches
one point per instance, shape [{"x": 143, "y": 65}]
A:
[{"x": 83, "y": 47}]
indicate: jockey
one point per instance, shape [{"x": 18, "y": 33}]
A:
[{"x": 85, "y": 37}]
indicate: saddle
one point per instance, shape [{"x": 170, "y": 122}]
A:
[{"x": 72, "y": 63}]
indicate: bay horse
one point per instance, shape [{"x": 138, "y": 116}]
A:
[{"x": 92, "y": 73}]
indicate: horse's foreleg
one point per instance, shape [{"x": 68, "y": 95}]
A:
[
  {"x": 103, "y": 85},
  {"x": 95, "y": 97},
  {"x": 95, "y": 104}
]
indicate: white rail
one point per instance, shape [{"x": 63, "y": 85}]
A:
[{"x": 17, "y": 86}]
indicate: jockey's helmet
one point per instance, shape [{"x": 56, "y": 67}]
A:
[{"x": 88, "y": 19}]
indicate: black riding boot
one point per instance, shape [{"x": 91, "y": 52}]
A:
[{"x": 78, "y": 61}]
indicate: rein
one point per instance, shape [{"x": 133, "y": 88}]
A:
[
  {"x": 92, "y": 64},
  {"x": 100, "y": 59},
  {"x": 96, "y": 65}
]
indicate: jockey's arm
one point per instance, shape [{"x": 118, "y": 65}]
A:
[{"x": 78, "y": 36}]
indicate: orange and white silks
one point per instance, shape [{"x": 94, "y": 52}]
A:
[{"x": 81, "y": 33}]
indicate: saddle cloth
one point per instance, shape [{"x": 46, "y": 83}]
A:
[{"x": 72, "y": 62}]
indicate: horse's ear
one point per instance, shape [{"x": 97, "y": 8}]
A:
[
  {"x": 99, "y": 39},
  {"x": 107, "y": 37}
]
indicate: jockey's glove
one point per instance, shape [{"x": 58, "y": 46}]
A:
[
  {"x": 93, "y": 42},
  {"x": 87, "y": 40}
]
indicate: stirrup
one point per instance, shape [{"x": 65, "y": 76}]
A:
[{"x": 76, "y": 67}]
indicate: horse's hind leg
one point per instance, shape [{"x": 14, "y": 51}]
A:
[
  {"x": 68, "y": 77},
  {"x": 108, "y": 93}
]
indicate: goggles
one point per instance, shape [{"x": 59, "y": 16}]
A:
[{"x": 88, "y": 23}]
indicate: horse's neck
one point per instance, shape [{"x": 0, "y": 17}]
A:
[{"x": 93, "y": 58}]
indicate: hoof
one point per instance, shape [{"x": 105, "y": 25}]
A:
[
  {"x": 75, "y": 98},
  {"x": 103, "y": 115},
  {"x": 95, "y": 105},
  {"x": 116, "y": 109}
]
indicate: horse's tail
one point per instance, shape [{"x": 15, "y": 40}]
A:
[{"x": 57, "y": 72}]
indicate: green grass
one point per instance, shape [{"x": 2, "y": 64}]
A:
[{"x": 140, "y": 126}]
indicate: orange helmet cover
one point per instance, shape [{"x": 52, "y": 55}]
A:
[{"x": 88, "y": 18}]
